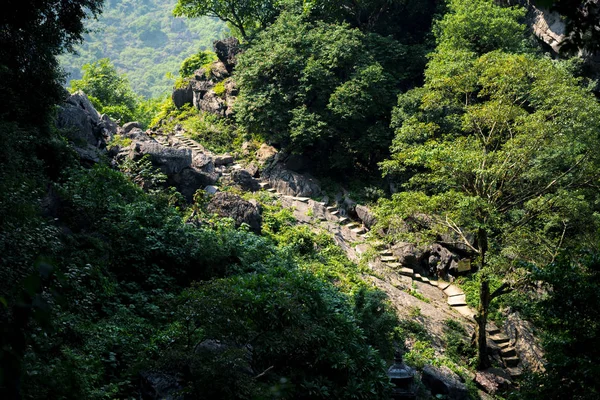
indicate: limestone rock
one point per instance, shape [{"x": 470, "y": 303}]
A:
[
  {"x": 189, "y": 180},
  {"x": 79, "y": 119},
  {"x": 245, "y": 181},
  {"x": 265, "y": 153},
  {"x": 182, "y": 96},
  {"x": 521, "y": 335},
  {"x": 493, "y": 380},
  {"x": 130, "y": 125},
  {"x": 292, "y": 183},
  {"x": 227, "y": 51},
  {"x": 408, "y": 254},
  {"x": 169, "y": 160},
  {"x": 442, "y": 381},
  {"x": 230, "y": 205},
  {"x": 365, "y": 215},
  {"x": 224, "y": 159}
]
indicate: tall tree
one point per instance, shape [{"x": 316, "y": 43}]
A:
[
  {"x": 499, "y": 144},
  {"x": 32, "y": 34}
]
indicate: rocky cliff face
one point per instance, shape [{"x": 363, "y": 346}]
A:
[{"x": 212, "y": 89}]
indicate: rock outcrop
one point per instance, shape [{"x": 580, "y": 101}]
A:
[
  {"x": 212, "y": 89},
  {"x": 87, "y": 130},
  {"x": 522, "y": 336},
  {"x": 233, "y": 206},
  {"x": 442, "y": 381}
]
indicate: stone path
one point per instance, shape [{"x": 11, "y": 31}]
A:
[{"x": 351, "y": 237}]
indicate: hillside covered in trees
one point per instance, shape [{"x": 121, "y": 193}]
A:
[
  {"x": 143, "y": 40},
  {"x": 379, "y": 199}
]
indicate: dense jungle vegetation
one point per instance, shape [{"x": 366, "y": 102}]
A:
[{"x": 481, "y": 134}]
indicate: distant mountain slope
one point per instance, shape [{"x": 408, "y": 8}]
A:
[{"x": 145, "y": 41}]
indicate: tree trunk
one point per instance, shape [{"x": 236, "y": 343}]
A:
[{"x": 483, "y": 361}]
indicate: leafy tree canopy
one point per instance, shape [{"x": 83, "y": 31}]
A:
[
  {"x": 246, "y": 16},
  {"x": 322, "y": 88}
]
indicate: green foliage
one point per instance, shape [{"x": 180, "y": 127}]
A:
[
  {"x": 290, "y": 320},
  {"x": 219, "y": 89},
  {"x": 322, "y": 89},
  {"x": 111, "y": 93},
  {"x": 467, "y": 147},
  {"x": 213, "y": 132},
  {"x": 458, "y": 347},
  {"x": 195, "y": 62},
  {"x": 420, "y": 354},
  {"x": 144, "y": 41},
  {"x": 568, "y": 315}
]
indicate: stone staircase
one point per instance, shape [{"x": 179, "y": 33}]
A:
[
  {"x": 457, "y": 300},
  {"x": 357, "y": 229},
  {"x": 455, "y": 297}
]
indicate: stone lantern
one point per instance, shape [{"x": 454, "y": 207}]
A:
[{"x": 402, "y": 377}]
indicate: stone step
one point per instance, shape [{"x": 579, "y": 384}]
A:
[
  {"x": 500, "y": 338},
  {"x": 331, "y": 208},
  {"x": 351, "y": 225},
  {"x": 302, "y": 199},
  {"x": 443, "y": 284},
  {"x": 336, "y": 212},
  {"x": 465, "y": 311},
  {"x": 433, "y": 282},
  {"x": 503, "y": 345},
  {"x": 343, "y": 219},
  {"x": 458, "y": 300},
  {"x": 508, "y": 352},
  {"x": 264, "y": 185},
  {"x": 271, "y": 190},
  {"x": 421, "y": 278},
  {"x": 515, "y": 372},
  {"x": 453, "y": 290},
  {"x": 359, "y": 230},
  {"x": 406, "y": 271},
  {"x": 393, "y": 265},
  {"x": 492, "y": 330},
  {"x": 389, "y": 259},
  {"x": 511, "y": 361},
  {"x": 386, "y": 253}
]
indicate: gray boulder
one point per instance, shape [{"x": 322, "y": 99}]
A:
[
  {"x": 493, "y": 380},
  {"x": 189, "y": 180},
  {"x": 233, "y": 206},
  {"x": 442, "y": 381},
  {"x": 245, "y": 181},
  {"x": 408, "y": 254},
  {"x": 130, "y": 125},
  {"x": 170, "y": 160},
  {"x": 183, "y": 96},
  {"x": 79, "y": 119},
  {"x": 441, "y": 262},
  {"x": 210, "y": 102},
  {"x": 292, "y": 183},
  {"x": 227, "y": 51},
  {"x": 365, "y": 215},
  {"x": 224, "y": 159}
]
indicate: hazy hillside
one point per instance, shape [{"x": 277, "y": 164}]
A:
[{"x": 145, "y": 41}]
